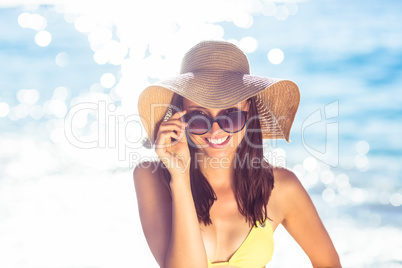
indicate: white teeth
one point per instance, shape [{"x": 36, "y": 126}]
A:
[{"x": 218, "y": 141}]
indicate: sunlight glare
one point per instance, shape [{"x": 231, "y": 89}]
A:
[
  {"x": 28, "y": 96},
  {"x": 362, "y": 147},
  {"x": 43, "y": 38},
  {"x": 99, "y": 36},
  {"x": 282, "y": 12},
  {"x": 107, "y": 80},
  {"x": 101, "y": 57},
  {"x": 328, "y": 195},
  {"x": 248, "y": 44},
  {"x": 358, "y": 195},
  {"x": 4, "y": 109},
  {"x": 362, "y": 162},
  {"x": 268, "y": 8},
  {"x": 112, "y": 52},
  {"x": 327, "y": 177},
  {"x": 62, "y": 59},
  {"x": 32, "y": 21},
  {"x": 310, "y": 164},
  {"x": 342, "y": 180},
  {"x": 21, "y": 110},
  {"x": 276, "y": 56},
  {"x": 292, "y": 7},
  {"x": 396, "y": 199},
  {"x": 243, "y": 20},
  {"x": 55, "y": 107},
  {"x": 84, "y": 24},
  {"x": 61, "y": 93},
  {"x": 36, "y": 112},
  {"x": 384, "y": 198},
  {"x": 310, "y": 179}
]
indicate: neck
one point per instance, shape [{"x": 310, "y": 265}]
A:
[{"x": 218, "y": 171}]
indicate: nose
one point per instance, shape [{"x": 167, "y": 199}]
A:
[{"x": 215, "y": 129}]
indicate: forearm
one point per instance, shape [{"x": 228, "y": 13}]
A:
[{"x": 186, "y": 248}]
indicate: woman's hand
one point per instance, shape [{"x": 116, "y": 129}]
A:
[{"x": 171, "y": 145}]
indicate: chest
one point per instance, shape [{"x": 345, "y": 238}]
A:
[
  {"x": 229, "y": 229},
  {"x": 227, "y": 232}
]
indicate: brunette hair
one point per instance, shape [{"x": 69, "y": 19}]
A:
[{"x": 253, "y": 182}]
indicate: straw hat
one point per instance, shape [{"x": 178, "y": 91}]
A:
[{"x": 216, "y": 74}]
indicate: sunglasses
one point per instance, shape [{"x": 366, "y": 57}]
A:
[{"x": 200, "y": 124}]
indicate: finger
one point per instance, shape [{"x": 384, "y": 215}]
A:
[
  {"x": 182, "y": 137},
  {"x": 171, "y": 127},
  {"x": 164, "y": 139},
  {"x": 178, "y": 114},
  {"x": 177, "y": 122}
]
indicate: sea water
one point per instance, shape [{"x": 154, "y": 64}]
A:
[{"x": 70, "y": 76}]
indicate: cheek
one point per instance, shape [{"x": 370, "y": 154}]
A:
[
  {"x": 238, "y": 137},
  {"x": 195, "y": 140}
]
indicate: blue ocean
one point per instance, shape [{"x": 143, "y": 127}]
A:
[{"x": 70, "y": 135}]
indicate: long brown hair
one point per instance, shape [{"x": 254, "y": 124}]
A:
[{"x": 253, "y": 180}]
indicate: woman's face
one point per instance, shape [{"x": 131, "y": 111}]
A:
[{"x": 216, "y": 142}]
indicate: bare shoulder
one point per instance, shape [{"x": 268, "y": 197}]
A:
[
  {"x": 154, "y": 202},
  {"x": 301, "y": 220},
  {"x": 149, "y": 174},
  {"x": 286, "y": 182},
  {"x": 147, "y": 168},
  {"x": 151, "y": 186},
  {"x": 288, "y": 193}
]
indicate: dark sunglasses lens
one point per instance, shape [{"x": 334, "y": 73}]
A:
[
  {"x": 232, "y": 122},
  {"x": 198, "y": 124}
]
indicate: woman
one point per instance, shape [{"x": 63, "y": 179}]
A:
[{"x": 213, "y": 200}]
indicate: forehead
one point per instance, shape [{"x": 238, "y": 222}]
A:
[{"x": 190, "y": 104}]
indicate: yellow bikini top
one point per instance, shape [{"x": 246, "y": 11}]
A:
[{"x": 255, "y": 251}]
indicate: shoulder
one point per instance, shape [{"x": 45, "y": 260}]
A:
[
  {"x": 150, "y": 174},
  {"x": 145, "y": 168},
  {"x": 286, "y": 180},
  {"x": 288, "y": 190}
]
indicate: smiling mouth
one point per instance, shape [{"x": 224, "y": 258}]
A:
[{"x": 218, "y": 143}]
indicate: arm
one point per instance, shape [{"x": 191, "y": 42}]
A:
[
  {"x": 168, "y": 216},
  {"x": 169, "y": 220},
  {"x": 302, "y": 221}
]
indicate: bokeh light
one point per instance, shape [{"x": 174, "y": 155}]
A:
[
  {"x": 243, "y": 20},
  {"x": 310, "y": 164},
  {"x": 276, "y": 56},
  {"x": 282, "y": 12},
  {"x": 4, "y": 109},
  {"x": 108, "y": 80},
  {"x": 396, "y": 199},
  {"x": 61, "y": 93},
  {"x": 362, "y": 147},
  {"x": 32, "y": 21},
  {"x": 328, "y": 195},
  {"x": 43, "y": 38},
  {"x": 28, "y": 96},
  {"x": 248, "y": 44},
  {"x": 121, "y": 48},
  {"x": 62, "y": 59}
]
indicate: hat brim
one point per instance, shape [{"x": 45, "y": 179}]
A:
[{"x": 277, "y": 100}]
